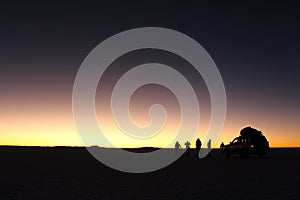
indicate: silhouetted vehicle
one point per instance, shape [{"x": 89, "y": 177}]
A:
[{"x": 250, "y": 142}]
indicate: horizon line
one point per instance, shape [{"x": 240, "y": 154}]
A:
[{"x": 153, "y": 147}]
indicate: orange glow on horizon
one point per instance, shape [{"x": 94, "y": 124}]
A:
[{"x": 37, "y": 124}]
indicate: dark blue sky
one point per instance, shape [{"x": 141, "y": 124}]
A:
[{"x": 247, "y": 41}]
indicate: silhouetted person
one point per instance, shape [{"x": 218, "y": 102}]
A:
[
  {"x": 187, "y": 146},
  {"x": 222, "y": 146},
  {"x": 177, "y": 147},
  {"x": 198, "y": 145},
  {"x": 209, "y": 147}
]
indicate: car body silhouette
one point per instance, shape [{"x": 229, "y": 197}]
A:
[{"x": 250, "y": 142}]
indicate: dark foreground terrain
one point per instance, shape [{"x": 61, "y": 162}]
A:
[{"x": 72, "y": 173}]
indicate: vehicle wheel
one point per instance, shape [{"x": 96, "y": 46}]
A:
[
  {"x": 244, "y": 154},
  {"x": 227, "y": 153},
  {"x": 261, "y": 154}
]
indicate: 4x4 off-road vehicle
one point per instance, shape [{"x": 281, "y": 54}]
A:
[{"x": 250, "y": 142}]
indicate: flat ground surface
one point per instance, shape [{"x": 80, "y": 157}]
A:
[{"x": 66, "y": 173}]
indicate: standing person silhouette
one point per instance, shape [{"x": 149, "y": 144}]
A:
[
  {"x": 209, "y": 147},
  {"x": 222, "y": 146},
  {"x": 187, "y": 146},
  {"x": 177, "y": 147},
  {"x": 198, "y": 146}
]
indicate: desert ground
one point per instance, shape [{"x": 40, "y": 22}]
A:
[{"x": 72, "y": 173}]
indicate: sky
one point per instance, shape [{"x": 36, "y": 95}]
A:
[{"x": 256, "y": 47}]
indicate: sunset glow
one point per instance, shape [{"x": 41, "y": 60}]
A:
[
  {"x": 37, "y": 124},
  {"x": 40, "y": 57}
]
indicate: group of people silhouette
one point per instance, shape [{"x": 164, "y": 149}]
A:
[{"x": 188, "y": 144}]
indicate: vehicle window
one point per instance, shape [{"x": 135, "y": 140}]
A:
[{"x": 235, "y": 140}]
